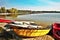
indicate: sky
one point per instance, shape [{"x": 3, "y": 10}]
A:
[{"x": 37, "y": 5}]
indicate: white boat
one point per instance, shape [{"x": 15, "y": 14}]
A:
[{"x": 25, "y": 24}]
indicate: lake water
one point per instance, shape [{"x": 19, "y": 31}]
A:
[{"x": 52, "y": 17}]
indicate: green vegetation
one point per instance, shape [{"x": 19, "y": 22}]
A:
[
  {"x": 22, "y": 12},
  {"x": 14, "y": 10},
  {"x": 2, "y": 10}
]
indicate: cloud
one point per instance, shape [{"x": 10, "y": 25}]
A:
[
  {"x": 40, "y": 8},
  {"x": 52, "y": 6},
  {"x": 46, "y": 8}
]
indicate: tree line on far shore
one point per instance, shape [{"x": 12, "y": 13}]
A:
[{"x": 12, "y": 10}]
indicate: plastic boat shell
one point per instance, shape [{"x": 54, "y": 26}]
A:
[
  {"x": 56, "y": 30},
  {"x": 31, "y": 32}
]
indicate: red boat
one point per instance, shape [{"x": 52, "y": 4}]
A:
[
  {"x": 56, "y": 31},
  {"x": 5, "y": 21}
]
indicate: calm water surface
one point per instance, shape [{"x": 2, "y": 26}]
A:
[{"x": 53, "y": 17}]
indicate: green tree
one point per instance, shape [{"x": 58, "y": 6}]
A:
[
  {"x": 0, "y": 10},
  {"x": 3, "y": 10},
  {"x": 14, "y": 12}
]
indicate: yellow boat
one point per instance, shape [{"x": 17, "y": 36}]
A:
[
  {"x": 30, "y": 32},
  {"x": 26, "y": 32}
]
